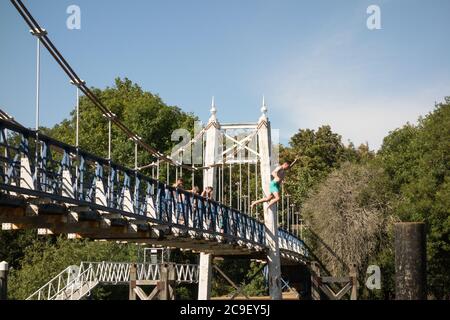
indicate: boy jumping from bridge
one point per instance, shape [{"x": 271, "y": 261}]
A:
[{"x": 275, "y": 185}]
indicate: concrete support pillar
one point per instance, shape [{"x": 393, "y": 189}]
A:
[
  {"x": 205, "y": 276},
  {"x": 3, "y": 280},
  {"x": 410, "y": 261},
  {"x": 132, "y": 293},
  {"x": 270, "y": 214}
]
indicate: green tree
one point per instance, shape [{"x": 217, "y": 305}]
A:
[
  {"x": 417, "y": 160},
  {"x": 319, "y": 153},
  {"x": 36, "y": 260},
  {"x": 12, "y": 244},
  {"x": 142, "y": 112},
  {"x": 43, "y": 260}
]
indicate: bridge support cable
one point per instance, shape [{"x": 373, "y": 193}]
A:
[
  {"x": 109, "y": 140},
  {"x": 288, "y": 213},
  {"x": 167, "y": 174},
  {"x": 192, "y": 179},
  {"x": 282, "y": 207},
  {"x": 38, "y": 33},
  {"x": 58, "y": 57},
  {"x": 77, "y": 113},
  {"x": 222, "y": 178},
  {"x": 248, "y": 189}
]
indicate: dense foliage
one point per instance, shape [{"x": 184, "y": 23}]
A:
[
  {"x": 35, "y": 259},
  {"x": 349, "y": 197},
  {"x": 349, "y": 208},
  {"x": 319, "y": 153},
  {"x": 43, "y": 260},
  {"x": 417, "y": 162},
  {"x": 350, "y": 214}
]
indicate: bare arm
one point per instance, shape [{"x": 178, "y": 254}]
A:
[{"x": 292, "y": 164}]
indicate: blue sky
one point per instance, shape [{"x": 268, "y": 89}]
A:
[{"x": 316, "y": 62}]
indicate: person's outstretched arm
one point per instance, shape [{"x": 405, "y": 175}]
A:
[{"x": 293, "y": 162}]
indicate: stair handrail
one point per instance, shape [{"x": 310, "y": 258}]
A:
[
  {"x": 69, "y": 281},
  {"x": 50, "y": 284},
  {"x": 85, "y": 276}
]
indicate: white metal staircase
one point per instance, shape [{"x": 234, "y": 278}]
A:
[{"x": 76, "y": 282}]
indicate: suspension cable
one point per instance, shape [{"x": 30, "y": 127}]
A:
[
  {"x": 282, "y": 216},
  {"x": 248, "y": 185},
  {"x": 157, "y": 169},
  {"x": 240, "y": 185},
  {"x": 222, "y": 178},
  {"x": 231, "y": 189},
  {"x": 168, "y": 174},
  {"x": 58, "y": 57},
  {"x": 219, "y": 191},
  {"x": 256, "y": 180}
]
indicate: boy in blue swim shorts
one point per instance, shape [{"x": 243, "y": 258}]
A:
[{"x": 275, "y": 184}]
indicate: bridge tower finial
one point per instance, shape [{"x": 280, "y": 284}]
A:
[
  {"x": 264, "y": 108},
  {"x": 213, "y": 106},
  {"x": 213, "y": 110}
]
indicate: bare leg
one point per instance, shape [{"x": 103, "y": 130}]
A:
[
  {"x": 274, "y": 200},
  {"x": 266, "y": 199}
]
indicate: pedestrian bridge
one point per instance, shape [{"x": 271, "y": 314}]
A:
[
  {"x": 57, "y": 188},
  {"x": 61, "y": 189},
  {"x": 76, "y": 282}
]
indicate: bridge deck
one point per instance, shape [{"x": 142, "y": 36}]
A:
[
  {"x": 66, "y": 190},
  {"x": 19, "y": 212}
]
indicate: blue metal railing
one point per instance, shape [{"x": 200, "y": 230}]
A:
[{"x": 124, "y": 190}]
